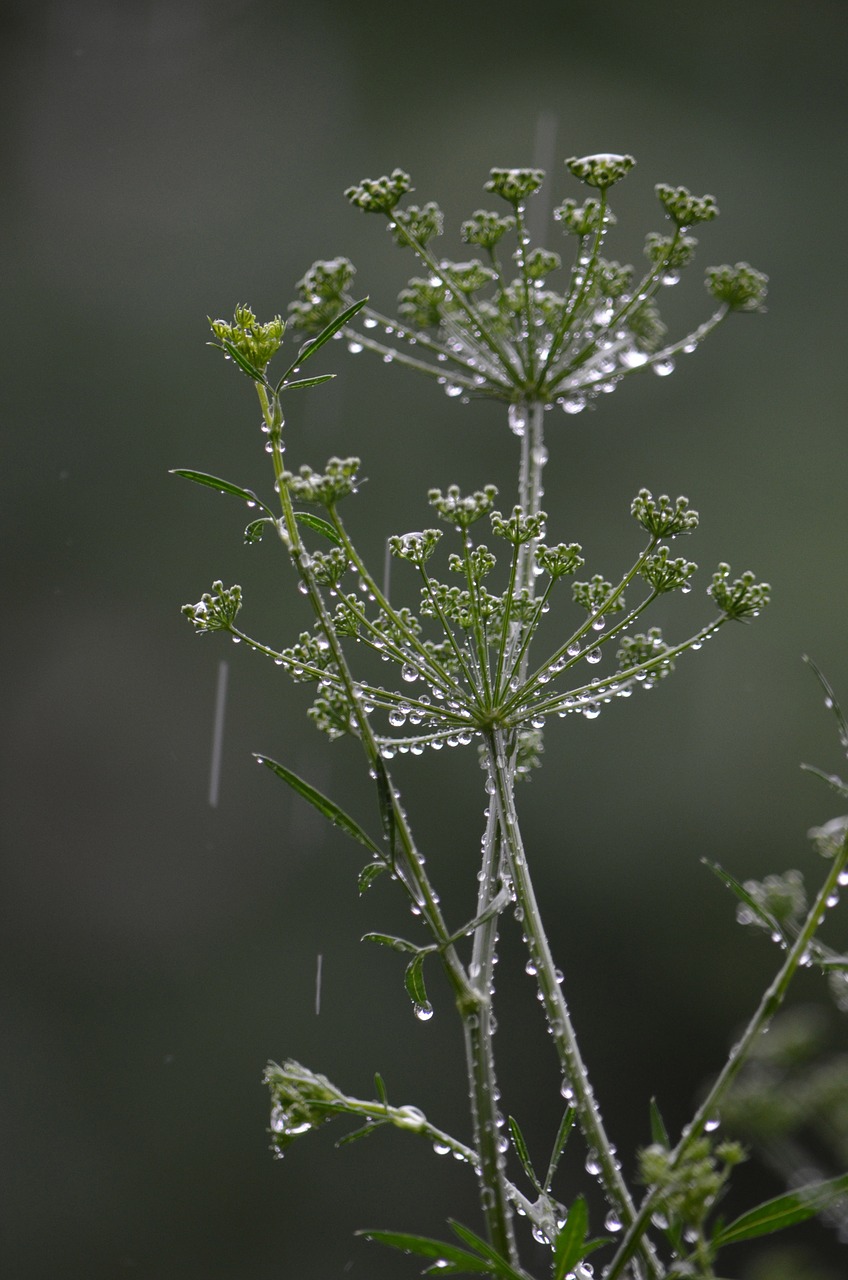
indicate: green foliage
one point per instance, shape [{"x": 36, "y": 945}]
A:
[{"x": 485, "y": 661}]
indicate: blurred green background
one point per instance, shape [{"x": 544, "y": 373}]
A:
[{"x": 161, "y": 162}]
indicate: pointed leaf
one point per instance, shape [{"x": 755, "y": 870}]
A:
[
  {"x": 463, "y": 1263},
  {"x": 223, "y": 486},
  {"x": 256, "y": 528},
  {"x": 831, "y": 702},
  {"x": 832, "y": 779},
  {"x": 388, "y": 940},
  {"x": 497, "y": 1262},
  {"x": 521, "y": 1151},
  {"x": 744, "y": 896},
  {"x": 325, "y": 806},
  {"x": 783, "y": 1211},
  {"x": 413, "y": 980},
  {"x": 364, "y": 1132},
  {"x": 569, "y": 1246},
  {"x": 559, "y": 1144},
  {"x": 659, "y": 1133},
  {"x": 307, "y": 382},
  {"x": 314, "y": 344},
  {"x": 380, "y": 1086},
  {"x": 494, "y": 908},
  {"x": 317, "y": 525},
  {"x": 369, "y": 874},
  {"x": 242, "y": 361}
]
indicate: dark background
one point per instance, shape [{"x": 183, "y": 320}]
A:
[{"x": 161, "y": 162}]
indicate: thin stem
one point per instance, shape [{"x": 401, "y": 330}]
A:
[
  {"x": 766, "y": 1010},
  {"x": 470, "y": 1004},
  {"x": 556, "y": 1010}
]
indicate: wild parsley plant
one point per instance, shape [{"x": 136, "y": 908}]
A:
[{"x": 472, "y": 668}]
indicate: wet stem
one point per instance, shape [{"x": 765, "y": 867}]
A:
[
  {"x": 472, "y": 996},
  {"x": 773, "y": 998}
]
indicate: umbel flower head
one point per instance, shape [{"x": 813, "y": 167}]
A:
[{"x": 511, "y": 323}]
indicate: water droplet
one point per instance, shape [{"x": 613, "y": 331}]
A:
[
  {"x": 573, "y": 649},
  {"x": 574, "y": 404},
  {"x": 354, "y": 348},
  {"x": 423, "y": 1012},
  {"x": 452, "y": 390},
  {"x": 662, "y": 368},
  {"x": 441, "y": 1148},
  {"x": 567, "y": 1090},
  {"x": 594, "y": 656},
  {"x": 409, "y": 672},
  {"x": 612, "y": 1222},
  {"x": 592, "y": 710},
  {"x": 593, "y": 1164},
  {"x": 712, "y": 1124}
]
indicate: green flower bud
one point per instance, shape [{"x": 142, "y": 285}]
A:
[
  {"x": 601, "y": 170},
  {"x": 667, "y": 575},
  {"x": 455, "y": 509},
  {"x": 743, "y": 598},
  {"x": 486, "y": 229},
  {"x": 582, "y": 219},
  {"x": 422, "y": 225},
  {"x": 415, "y": 547},
  {"x": 684, "y": 208},
  {"x": 561, "y": 559},
  {"x": 741, "y": 288},
  {"x": 215, "y": 610},
  {"x": 662, "y": 519},
  {"x": 337, "y": 481},
  {"x": 593, "y": 596},
  {"x": 518, "y": 527},
  {"x": 514, "y": 185},
  {"x": 380, "y": 195}
]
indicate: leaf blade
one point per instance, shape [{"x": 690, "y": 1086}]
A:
[
  {"x": 317, "y": 525},
  {"x": 322, "y": 803},
  {"x": 425, "y": 1247},
  {"x": 223, "y": 486},
  {"x": 783, "y": 1211}
]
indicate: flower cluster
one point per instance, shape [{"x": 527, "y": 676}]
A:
[{"x": 485, "y": 328}]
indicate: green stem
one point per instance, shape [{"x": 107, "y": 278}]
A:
[
  {"x": 470, "y": 1004},
  {"x": 766, "y": 1010},
  {"x": 556, "y": 1010}
]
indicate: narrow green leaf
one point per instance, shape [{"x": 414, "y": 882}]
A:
[
  {"x": 494, "y": 908},
  {"x": 561, "y": 1139},
  {"x": 831, "y": 702},
  {"x": 242, "y": 361},
  {"x": 317, "y": 525},
  {"x": 325, "y": 806},
  {"x": 744, "y": 896},
  {"x": 380, "y": 1086},
  {"x": 300, "y": 383},
  {"x": 521, "y": 1151},
  {"x": 832, "y": 779},
  {"x": 364, "y": 1132},
  {"x": 497, "y": 1262},
  {"x": 569, "y": 1245},
  {"x": 413, "y": 980},
  {"x": 369, "y": 874},
  {"x": 659, "y": 1133},
  {"x": 256, "y": 528},
  {"x": 314, "y": 344},
  {"x": 388, "y": 940},
  {"x": 223, "y": 486},
  {"x": 783, "y": 1211},
  {"x": 427, "y": 1248}
]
